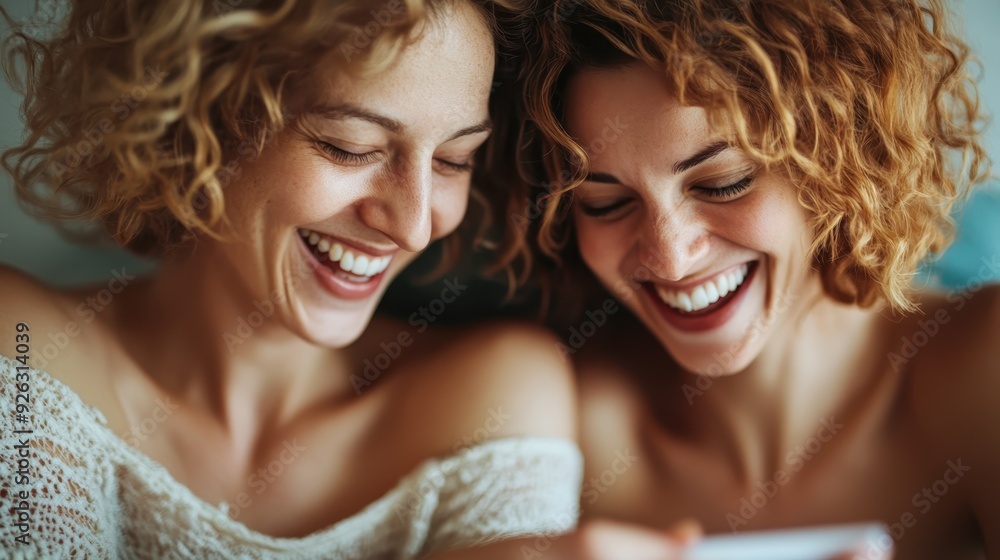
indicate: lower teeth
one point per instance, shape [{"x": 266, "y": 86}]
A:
[
  {"x": 349, "y": 276},
  {"x": 353, "y": 277}
]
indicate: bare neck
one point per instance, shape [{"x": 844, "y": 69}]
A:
[
  {"x": 199, "y": 332},
  {"x": 818, "y": 372}
]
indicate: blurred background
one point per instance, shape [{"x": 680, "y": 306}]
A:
[{"x": 39, "y": 250}]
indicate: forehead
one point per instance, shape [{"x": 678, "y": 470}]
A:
[
  {"x": 447, "y": 70},
  {"x": 629, "y": 111}
]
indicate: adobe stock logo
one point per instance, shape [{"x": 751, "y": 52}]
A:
[{"x": 795, "y": 461}]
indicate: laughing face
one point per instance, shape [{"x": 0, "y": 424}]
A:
[
  {"x": 701, "y": 243},
  {"x": 370, "y": 172}
]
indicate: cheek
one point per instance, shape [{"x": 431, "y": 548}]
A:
[
  {"x": 285, "y": 183},
  {"x": 770, "y": 221},
  {"x": 305, "y": 190},
  {"x": 751, "y": 225},
  {"x": 601, "y": 248},
  {"x": 314, "y": 195}
]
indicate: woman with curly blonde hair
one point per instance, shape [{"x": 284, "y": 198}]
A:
[
  {"x": 757, "y": 182},
  {"x": 284, "y": 160}
]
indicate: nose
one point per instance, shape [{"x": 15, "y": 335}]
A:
[
  {"x": 400, "y": 205},
  {"x": 674, "y": 240}
]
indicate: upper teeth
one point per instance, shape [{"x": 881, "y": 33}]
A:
[
  {"x": 705, "y": 294},
  {"x": 350, "y": 261}
]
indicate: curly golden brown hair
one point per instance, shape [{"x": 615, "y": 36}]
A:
[
  {"x": 139, "y": 113},
  {"x": 866, "y": 104}
]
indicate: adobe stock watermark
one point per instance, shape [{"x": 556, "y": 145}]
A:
[
  {"x": 565, "y": 10},
  {"x": 120, "y": 109},
  {"x": 223, "y": 7},
  {"x": 795, "y": 460},
  {"x": 562, "y": 523},
  {"x": 610, "y": 133},
  {"x": 245, "y": 326},
  {"x": 594, "y": 488},
  {"x": 365, "y": 34},
  {"x": 86, "y": 313},
  {"x": 246, "y": 152},
  {"x": 493, "y": 423},
  {"x": 264, "y": 309},
  {"x": 929, "y": 328},
  {"x": 44, "y": 20},
  {"x": 580, "y": 334},
  {"x": 594, "y": 319},
  {"x": 710, "y": 38},
  {"x": 265, "y": 476},
  {"x": 923, "y": 501},
  {"x": 435, "y": 308},
  {"x": 434, "y": 479},
  {"x": 162, "y": 412},
  {"x": 591, "y": 491},
  {"x": 420, "y": 319}
]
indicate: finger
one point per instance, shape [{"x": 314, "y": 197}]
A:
[
  {"x": 611, "y": 540},
  {"x": 862, "y": 555},
  {"x": 686, "y": 532}
]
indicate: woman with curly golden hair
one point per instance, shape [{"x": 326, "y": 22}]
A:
[
  {"x": 285, "y": 160},
  {"x": 757, "y": 182}
]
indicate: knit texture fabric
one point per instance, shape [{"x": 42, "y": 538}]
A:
[{"x": 92, "y": 495}]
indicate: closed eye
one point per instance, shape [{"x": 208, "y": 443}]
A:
[
  {"x": 352, "y": 158},
  {"x": 346, "y": 157},
  {"x": 456, "y": 167},
  {"x": 603, "y": 211},
  {"x": 727, "y": 192}
]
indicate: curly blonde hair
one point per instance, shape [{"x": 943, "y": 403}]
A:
[
  {"x": 139, "y": 113},
  {"x": 866, "y": 104}
]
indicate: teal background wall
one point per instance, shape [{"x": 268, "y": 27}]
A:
[{"x": 37, "y": 248}]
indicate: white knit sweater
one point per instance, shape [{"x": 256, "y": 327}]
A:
[{"x": 92, "y": 495}]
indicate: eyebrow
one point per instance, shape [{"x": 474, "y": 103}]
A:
[
  {"x": 485, "y": 126},
  {"x": 347, "y": 111},
  {"x": 706, "y": 153}
]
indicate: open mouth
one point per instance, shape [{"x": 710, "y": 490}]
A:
[
  {"x": 344, "y": 272},
  {"x": 707, "y": 305},
  {"x": 346, "y": 264}
]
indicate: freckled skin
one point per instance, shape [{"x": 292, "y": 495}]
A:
[
  {"x": 291, "y": 386},
  {"x": 756, "y": 444}
]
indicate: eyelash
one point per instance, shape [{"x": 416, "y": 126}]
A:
[
  {"x": 604, "y": 210},
  {"x": 457, "y": 167},
  {"x": 726, "y": 192},
  {"x": 360, "y": 159},
  {"x": 344, "y": 156}
]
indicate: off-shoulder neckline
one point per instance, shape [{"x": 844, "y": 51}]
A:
[{"x": 218, "y": 516}]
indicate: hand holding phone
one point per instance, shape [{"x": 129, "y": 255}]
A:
[{"x": 868, "y": 541}]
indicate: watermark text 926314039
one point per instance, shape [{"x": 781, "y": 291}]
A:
[{"x": 21, "y": 512}]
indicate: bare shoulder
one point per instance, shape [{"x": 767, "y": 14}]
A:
[
  {"x": 609, "y": 365},
  {"x": 955, "y": 351},
  {"x": 955, "y": 347},
  {"x": 43, "y": 311},
  {"x": 67, "y": 344},
  {"x": 611, "y": 403},
  {"x": 484, "y": 382}
]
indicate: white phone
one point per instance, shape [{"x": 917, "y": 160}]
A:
[{"x": 814, "y": 543}]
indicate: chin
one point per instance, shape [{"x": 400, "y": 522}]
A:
[
  {"x": 327, "y": 321},
  {"x": 333, "y": 328},
  {"x": 722, "y": 342},
  {"x": 714, "y": 361}
]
